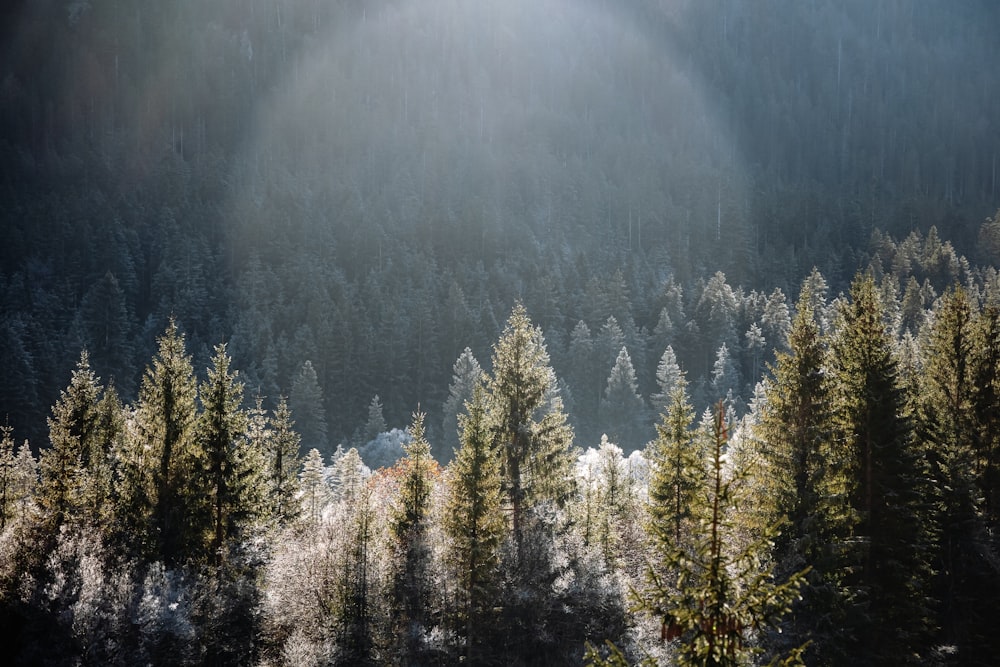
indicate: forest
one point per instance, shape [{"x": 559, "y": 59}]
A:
[{"x": 523, "y": 332}]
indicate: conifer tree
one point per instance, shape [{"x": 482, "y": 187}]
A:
[
  {"x": 677, "y": 462},
  {"x": 793, "y": 428},
  {"x": 7, "y": 462},
  {"x": 409, "y": 526},
  {"x": 376, "y": 421},
  {"x": 986, "y": 407},
  {"x": 73, "y": 433},
  {"x": 283, "y": 464},
  {"x": 229, "y": 465},
  {"x": 622, "y": 409},
  {"x": 964, "y": 578},
  {"x": 529, "y": 427},
  {"x": 874, "y": 492},
  {"x": 306, "y": 401},
  {"x": 466, "y": 374},
  {"x": 315, "y": 491},
  {"x": 724, "y": 593},
  {"x": 165, "y": 449},
  {"x": 474, "y": 524},
  {"x": 668, "y": 374},
  {"x": 24, "y": 481}
]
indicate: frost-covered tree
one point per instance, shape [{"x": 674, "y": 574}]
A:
[
  {"x": 376, "y": 421},
  {"x": 282, "y": 464},
  {"x": 465, "y": 375},
  {"x": 229, "y": 474},
  {"x": 409, "y": 525},
  {"x": 306, "y": 402},
  {"x": 315, "y": 491},
  {"x": 623, "y": 412},
  {"x": 668, "y": 374}
]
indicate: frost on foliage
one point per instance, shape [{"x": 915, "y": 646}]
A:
[{"x": 385, "y": 449}]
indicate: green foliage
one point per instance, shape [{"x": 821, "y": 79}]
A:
[
  {"x": 164, "y": 452},
  {"x": 474, "y": 524},
  {"x": 229, "y": 484},
  {"x": 875, "y": 496},
  {"x": 725, "y": 592},
  {"x": 282, "y": 465},
  {"x": 529, "y": 427}
]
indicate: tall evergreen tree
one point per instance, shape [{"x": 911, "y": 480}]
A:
[
  {"x": 376, "y": 420},
  {"x": 315, "y": 491},
  {"x": 165, "y": 449},
  {"x": 474, "y": 524},
  {"x": 793, "y": 428},
  {"x": 875, "y": 490},
  {"x": 529, "y": 427},
  {"x": 623, "y": 412},
  {"x": 724, "y": 594},
  {"x": 668, "y": 374},
  {"x": 7, "y": 462},
  {"x": 229, "y": 464},
  {"x": 466, "y": 375},
  {"x": 306, "y": 401},
  {"x": 410, "y": 527},
  {"x": 966, "y": 583},
  {"x": 73, "y": 435},
  {"x": 282, "y": 464}
]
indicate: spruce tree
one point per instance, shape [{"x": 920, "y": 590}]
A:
[
  {"x": 73, "y": 435},
  {"x": 474, "y": 524},
  {"x": 315, "y": 491},
  {"x": 229, "y": 464},
  {"x": 466, "y": 374},
  {"x": 283, "y": 464},
  {"x": 874, "y": 493},
  {"x": 529, "y": 427},
  {"x": 376, "y": 421},
  {"x": 677, "y": 473},
  {"x": 306, "y": 401},
  {"x": 668, "y": 374},
  {"x": 966, "y": 585},
  {"x": 165, "y": 449},
  {"x": 7, "y": 462},
  {"x": 623, "y": 412},
  {"x": 724, "y": 593},
  {"x": 409, "y": 526},
  {"x": 793, "y": 428}
]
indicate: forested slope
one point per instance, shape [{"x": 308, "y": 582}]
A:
[{"x": 370, "y": 186}]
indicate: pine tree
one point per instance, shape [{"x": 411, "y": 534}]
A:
[
  {"x": 283, "y": 464},
  {"x": 874, "y": 493},
  {"x": 306, "y": 401},
  {"x": 529, "y": 427},
  {"x": 73, "y": 434},
  {"x": 725, "y": 377},
  {"x": 986, "y": 406},
  {"x": 376, "y": 422},
  {"x": 315, "y": 491},
  {"x": 794, "y": 426},
  {"x": 676, "y": 461},
  {"x": 668, "y": 374},
  {"x": 966, "y": 585},
  {"x": 474, "y": 524},
  {"x": 623, "y": 412},
  {"x": 165, "y": 449},
  {"x": 724, "y": 593},
  {"x": 466, "y": 374},
  {"x": 229, "y": 465},
  {"x": 24, "y": 482},
  {"x": 409, "y": 526}
]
